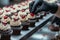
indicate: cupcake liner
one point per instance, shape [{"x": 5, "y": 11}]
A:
[
  {"x": 6, "y": 35},
  {"x": 32, "y": 23},
  {"x": 6, "y": 32},
  {"x": 25, "y": 25},
  {"x": 15, "y": 26},
  {"x": 16, "y": 30}
]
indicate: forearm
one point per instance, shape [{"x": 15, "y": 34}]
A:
[{"x": 57, "y": 14}]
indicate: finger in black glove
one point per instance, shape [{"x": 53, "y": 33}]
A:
[{"x": 51, "y": 7}]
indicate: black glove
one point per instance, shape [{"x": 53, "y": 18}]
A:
[
  {"x": 33, "y": 5},
  {"x": 51, "y": 7}
]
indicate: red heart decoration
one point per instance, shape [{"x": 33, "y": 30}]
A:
[
  {"x": 5, "y": 17},
  {"x": 32, "y": 14},
  {"x": 23, "y": 17}
]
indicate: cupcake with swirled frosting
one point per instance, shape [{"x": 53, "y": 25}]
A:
[
  {"x": 5, "y": 29},
  {"x": 15, "y": 24}
]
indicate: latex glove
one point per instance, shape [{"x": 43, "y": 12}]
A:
[
  {"x": 51, "y": 7},
  {"x": 33, "y": 5}
]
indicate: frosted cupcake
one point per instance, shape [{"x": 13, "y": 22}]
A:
[
  {"x": 32, "y": 19},
  {"x": 23, "y": 19},
  {"x": 15, "y": 24},
  {"x": 5, "y": 29}
]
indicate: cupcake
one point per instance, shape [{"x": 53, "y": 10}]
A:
[
  {"x": 5, "y": 29},
  {"x": 15, "y": 24},
  {"x": 32, "y": 19}
]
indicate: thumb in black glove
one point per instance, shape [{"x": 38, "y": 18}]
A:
[{"x": 51, "y": 7}]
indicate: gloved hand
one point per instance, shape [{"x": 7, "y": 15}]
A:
[
  {"x": 33, "y": 5},
  {"x": 51, "y": 7},
  {"x": 40, "y": 5}
]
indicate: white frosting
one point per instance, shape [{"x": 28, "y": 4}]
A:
[
  {"x": 6, "y": 27},
  {"x": 7, "y": 13},
  {"x": 14, "y": 23},
  {"x": 27, "y": 11},
  {"x": 29, "y": 16},
  {"x": 1, "y": 11},
  {"x": 12, "y": 10},
  {"x": 1, "y": 16},
  {"x": 6, "y": 8},
  {"x": 2, "y": 27},
  {"x": 7, "y": 20}
]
